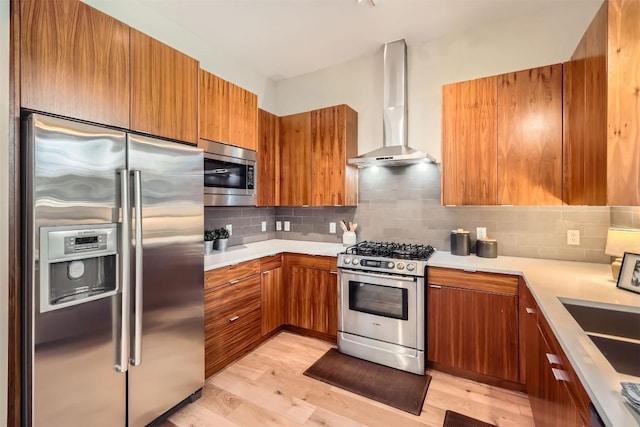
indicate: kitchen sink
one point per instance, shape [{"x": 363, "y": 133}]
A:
[{"x": 615, "y": 331}]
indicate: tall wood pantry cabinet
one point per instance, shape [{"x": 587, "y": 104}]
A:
[
  {"x": 502, "y": 139},
  {"x": 74, "y": 61},
  {"x": 268, "y": 159}
]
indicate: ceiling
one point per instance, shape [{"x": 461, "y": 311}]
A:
[{"x": 285, "y": 38}]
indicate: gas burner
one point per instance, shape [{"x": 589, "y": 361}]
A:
[{"x": 392, "y": 250}]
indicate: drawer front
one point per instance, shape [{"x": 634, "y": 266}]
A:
[
  {"x": 224, "y": 303},
  {"x": 270, "y": 262},
  {"x": 480, "y": 281},
  {"x": 222, "y": 346},
  {"x": 222, "y": 275},
  {"x": 312, "y": 261}
]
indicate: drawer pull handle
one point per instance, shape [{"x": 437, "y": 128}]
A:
[
  {"x": 435, "y": 286},
  {"x": 234, "y": 318},
  {"x": 333, "y": 272},
  {"x": 266, "y": 272},
  {"x": 560, "y": 375},
  {"x": 469, "y": 270},
  {"x": 553, "y": 359},
  {"x": 233, "y": 282},
  {"x": 530, "y": 310}
]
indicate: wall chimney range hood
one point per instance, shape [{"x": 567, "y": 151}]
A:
[{"x": 395, "y": 151}]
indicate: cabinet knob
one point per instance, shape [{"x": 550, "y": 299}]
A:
[
  {"x": 560, "y": 375},
  {"x": 234, "y": 318},
  {"x": 530, "y": 310}
]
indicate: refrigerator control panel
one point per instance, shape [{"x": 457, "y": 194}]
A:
[{"x": 80, "y": 242}]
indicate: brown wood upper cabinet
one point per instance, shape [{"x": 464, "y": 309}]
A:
[
  {"x": 164, "y": 90},
  {"x": 315, "y": 147},
  {"x": 268, "y": 159},
  {"x": 74, "y": 62},
  {"x": 228, "y": 113},
  {"x": 502, "y": 139},
  {"x": 602, "y": 104},
  {"x": 472, "y": 324}
]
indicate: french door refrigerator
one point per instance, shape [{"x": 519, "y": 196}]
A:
[{"x": 113, "y": 289}]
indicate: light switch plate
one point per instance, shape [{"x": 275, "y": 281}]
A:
[
  {"x": 278, "y": 225},
  {"x": 287, "y": 226},
  {"x": 264, "y": 225},
  {"x": 332, "y": 227},
  {"x": 229, "y": 228}
]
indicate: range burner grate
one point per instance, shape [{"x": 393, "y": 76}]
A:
[{"x": 392, "y": 250}]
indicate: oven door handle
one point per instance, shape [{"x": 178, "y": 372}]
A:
[{"x": 379, "y": 275}]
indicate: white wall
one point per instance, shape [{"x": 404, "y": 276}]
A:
[
  {"x": 530, "y": 41},
  {"x": 4, "y": 209},
  {"x": 145, "y": 19}
]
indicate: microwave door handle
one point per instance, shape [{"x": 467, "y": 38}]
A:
[
  {"x": 137, "y": 305},
  {"x": 122, "y": 342}
]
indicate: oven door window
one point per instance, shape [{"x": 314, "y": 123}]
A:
[
  {"x": 380, "y": 300},
  {"x": 221, "y": 174}
]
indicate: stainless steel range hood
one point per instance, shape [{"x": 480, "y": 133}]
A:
[{"x": 395, "y": 151}]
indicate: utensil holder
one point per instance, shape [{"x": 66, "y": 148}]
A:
[{"x": 348, "y": 238}]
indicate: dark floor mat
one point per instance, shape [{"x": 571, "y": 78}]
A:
[
  {"x": 454, "y": 419},
  {"x": 400, "y": 389}
]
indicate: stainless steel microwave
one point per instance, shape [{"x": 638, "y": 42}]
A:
[{"x": 229, "y": 175}]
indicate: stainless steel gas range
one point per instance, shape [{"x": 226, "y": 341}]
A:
[{"x": 381, "y": 308}]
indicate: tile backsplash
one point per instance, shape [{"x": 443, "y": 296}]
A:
[{"x": 402, "y": 204}]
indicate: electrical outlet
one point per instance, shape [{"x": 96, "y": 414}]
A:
[
  {"x": 287, "y": 226},
  {"x": 573, "y": 237},
  {"x": 263, "y": 226},
  {"x": 481, "y": 233},
  {"x": 229, "y": 228},
  {"x": 332, "y": 227},
  {"x": 278, "y": 225}
]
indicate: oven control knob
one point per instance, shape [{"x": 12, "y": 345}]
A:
[
  {"x": 390, "y": 264},
  {"x": 400, "y": 266},
  {"x": 347, "y": 261},
  {"x": 411, "y": 266},
  {"x": 355, "y": 261}
]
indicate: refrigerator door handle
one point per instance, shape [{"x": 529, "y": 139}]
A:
[
  {"x": 137, "y": 325},
  {"x": 122, "y": 353}
]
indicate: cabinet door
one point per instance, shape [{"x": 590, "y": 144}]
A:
[
  {"x": 296, "y": 167},
  {"x": 334, "y": 140},
  {"x": 268, "y": 159},
  {"x": 313, "y": 300},
  {"x": 243, "y": 117},
  {"x": 214, "y": 108},
  {"x": 164, "y": 90},
  {"x": 273, "y": 299},
  {"x": 469, "y": 143},
  {"x": 74, "y": 62},
  {"x": 530, "y": 137},
  {"x": 472, "y": 330}
]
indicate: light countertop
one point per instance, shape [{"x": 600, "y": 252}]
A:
[{"x": 548, "y": 280}]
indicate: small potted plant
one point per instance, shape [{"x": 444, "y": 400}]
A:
[
  {"x": 222, "y": 238},
  {"x": 209, "y": 237}
]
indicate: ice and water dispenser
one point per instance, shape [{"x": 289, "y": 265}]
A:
[{"x": 78, "y": 264}]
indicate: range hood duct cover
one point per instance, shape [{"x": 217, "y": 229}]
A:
[{"x": 396, "y": 151}]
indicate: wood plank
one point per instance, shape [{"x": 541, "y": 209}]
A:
[
  {"x": 75, "y": 62},
  {"x": 530, "y": 137},
  {"x": 270, "y": 262},
  {"x": 623, "y": 106},
  {"x": 478, "y": 280},
  {"x": 214, "y": 107},
  {"x": 469, "y": 142},
  {"x": 296, "y": 166},
  {"x": 164, "y": 90},
  {"x": 268, "y": 159},
  {"x": 311, "y": 261},
  {"x": 273, "y": 300},
  {"x": 223, "y": 275}
]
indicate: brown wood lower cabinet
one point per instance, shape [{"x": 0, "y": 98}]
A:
[
  {"x": 273, "y": 294},
  {"x": 312, "y": 293},
  {"x": 473, "y": 323},
  {"x": 556, "y": 395}
]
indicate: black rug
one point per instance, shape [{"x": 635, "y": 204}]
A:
[
  {"x": 392, "y": 387},
  {"x": 454, "y": 419}
]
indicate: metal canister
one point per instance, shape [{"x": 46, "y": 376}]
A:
[
  {"x": 487, "y": 248},
  {"x": 460, "y": 242}
]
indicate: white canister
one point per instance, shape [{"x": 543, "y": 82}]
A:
[{"x": 348, "y": 238}]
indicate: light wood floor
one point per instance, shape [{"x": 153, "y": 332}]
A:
[{"x": 267, "y": 388}]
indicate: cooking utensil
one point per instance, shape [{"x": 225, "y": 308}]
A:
[{"x": 343, "y": 225}]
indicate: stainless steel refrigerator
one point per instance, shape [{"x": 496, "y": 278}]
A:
[{"x": 113, "y": 289}]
